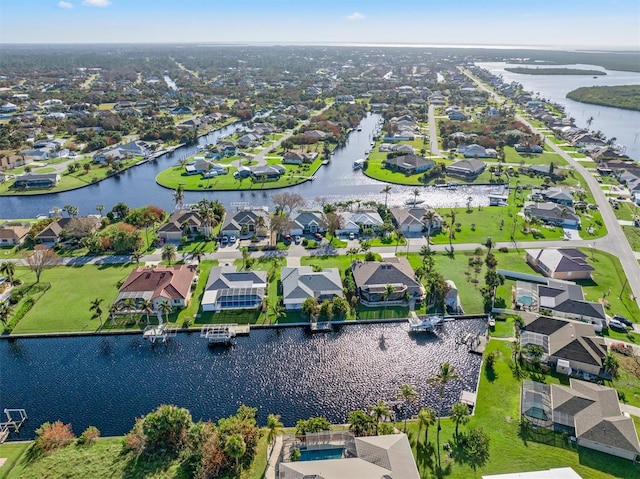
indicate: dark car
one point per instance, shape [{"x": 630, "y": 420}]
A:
[
  {"x": 613, "y": 324},
  {"x": 623, "y": 320}
]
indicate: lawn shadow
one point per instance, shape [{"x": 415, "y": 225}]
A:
[
  {"x": 607, "y": 463},
  {"x": 425, "y": 454},
  {"x": 490, "y": 374}
]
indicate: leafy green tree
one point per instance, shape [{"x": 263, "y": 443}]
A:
[
  {"x": 313, "y": 424},
  {"x": 476, "y": 447},
  {"x": 379, "y": 412},
  {"x": 611, "y": 364},
  {"x": 8, "y": 268},
  {"x": 310, "y": 307},
  {"x": 166, "y": 428},
  {"x": 5, "y": 310},
  {"x": 235, "y": 447},
  {"x": 361, "y": 423}
]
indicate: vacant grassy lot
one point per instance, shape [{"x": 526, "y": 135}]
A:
[{"x": 65, "y": 307}]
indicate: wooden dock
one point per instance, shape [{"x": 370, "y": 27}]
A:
[
  {"x": 15, "y": 419},
  {"x": 159, "y": 333},
  {"x": 223, "y": 333},
  {"x": 318, "y": 327}
]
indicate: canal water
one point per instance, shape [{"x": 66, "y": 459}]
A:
[
  {"x": 613, "y": 122},
  {"x": 336, "y": 181},
  {"x": 109, "y": 381}
]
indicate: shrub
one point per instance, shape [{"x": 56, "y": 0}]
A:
[
  {"x": 50, "y": 437},
  {"x": 89, "y": 436},
  {"x": 504, "y": 249},
  {"x": 166, "y": 428},
  {"x": 135, "y": 440}
]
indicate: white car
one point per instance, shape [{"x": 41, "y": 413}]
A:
[{"x": 352, "y": 236}]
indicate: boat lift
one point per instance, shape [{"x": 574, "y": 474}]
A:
[
  {"x": 160, "y": 333},
  {"x": 15, "y": 419}
]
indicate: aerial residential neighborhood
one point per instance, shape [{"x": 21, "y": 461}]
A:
[{"x": 341, "y": 260}]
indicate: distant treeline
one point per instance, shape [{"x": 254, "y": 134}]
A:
[
  {"x": 553, "y": 71},
  {"x": 624, "y": 96}
]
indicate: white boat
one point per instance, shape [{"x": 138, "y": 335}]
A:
[
  {"x": 423, "y": 324},
  {"x": 358, "y": 164},
  {"x": 413, "y": 202}
]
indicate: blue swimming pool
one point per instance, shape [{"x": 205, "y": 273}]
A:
[
  {"x": 320, "y": 454},
  {"x": 526, "y": 300}
]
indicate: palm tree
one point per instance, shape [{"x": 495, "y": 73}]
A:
[
  {"x": 352, "y": 252},
  {"x": 444, "y": 376},
  {"x": 137, "y": 256},
  {"x": 379, "y": 412},
  {"x": 130, "y": 305},
  {"x": 416, "y": 193},
  {"x": 611, "y": 364},
  {"x": 386, "y": 191},
  {"x": 178, "y": 196},
  {"x": 429, "y": 217},
  {"x": 388, "y": 291},
  {"x": 147, "y": 307},
  {"x": 460, "y": 415},
  {"x": 278, "y": 311},
  {"x": 169, "y": 253},
  {"x": 452, "y": 230},
  {"x": 426, "y": 418},
  {"x": 165, "y": 308},
  {"x": 409, "y": 395},
  {"x": 113, "y": 309},
  {"x": 100, "y": 209},
  {"x": 8, "y": 268},
  {"x": 425, "y": 252},
  {"x": 274, "y": 425},
  {"x": 235, "y": 447},
  {"x": 5, "y": 310},
  {"x": 95, "y": 307}
]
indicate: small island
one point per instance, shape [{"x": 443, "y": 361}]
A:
[
  {"x": 623, "y": 96},
  {"x": 554, "y": 71}
]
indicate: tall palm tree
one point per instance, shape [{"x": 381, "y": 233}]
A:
[
  {"x": 379, "y": 412},
  {"x": 100, "y": 209},
  {"x": 165, "y": 308},
  {"x": 408, "y": 395},
  {"x": 386, "y": 190},
  {"x": 445, "y": 375},
  {"x": 97, "y": 310},
  {"x": 388, "y": 291},
  {"x": 8, "y": 268},
  {"x": 416, "y": 193},
  {"x": 426, "y": 418},
  {"x": 130, "y": 305},
  {"x": 274, "y": 426},
  {"x": 146, "y": 306},
  {"x": 169, "y": 253},
  {"x": 352, "y": 252},
  {"x": 178, "y": 196},
  {"x": 429, "y": 217}
]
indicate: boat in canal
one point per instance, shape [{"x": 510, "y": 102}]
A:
[{"x": 420, "y": 324}]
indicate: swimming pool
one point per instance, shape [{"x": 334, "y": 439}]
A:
[{"x": 320, "y": 454}]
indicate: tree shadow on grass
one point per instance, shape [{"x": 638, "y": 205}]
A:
[
  {"x": 425, "y": 454},
  {"x": 490, "y": 374},
  {"x": 607, "y": 463},
  {"x": 145, "y": 465}
]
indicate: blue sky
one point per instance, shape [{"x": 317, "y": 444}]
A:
[{"x": 545, "y": 23}]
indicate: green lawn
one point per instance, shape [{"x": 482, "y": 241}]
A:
[
  {"x": 628, "y": 381},
  {"x": 633, "y": 236},
  {"x": 65, "y": 307},
  {"x": 497, "y": 412},
  {"x": 12, "y": 451}
]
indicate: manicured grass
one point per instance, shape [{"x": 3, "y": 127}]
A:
[
  {"x": 174, "y": 176},
  {"x": 70, "y": 181},
  {"x": 544, "y": 158},
  {"x": 65, "y": 307},
  {"x": 626, "y": 210},
  {"x": 12, "y": 451},
  {"x": 497, "y": 413},
  {"x": 628, "y": 382},
  {"x": 633, "y": 236},
  {"x": 503, "y": 329}
]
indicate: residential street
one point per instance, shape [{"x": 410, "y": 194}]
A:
[{"x": 615, "y": 242}]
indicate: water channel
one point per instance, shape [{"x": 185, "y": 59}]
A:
[
  {"x": 613, "y": 122},
  {"x": 336, "y": 181},
  {"x": 108, "y": 381}
]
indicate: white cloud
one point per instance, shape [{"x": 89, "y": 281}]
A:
[
  {"x": 65, "y": 5},
  {"x": 356, "y": 16},
  {"x": 96, "y": 3}
]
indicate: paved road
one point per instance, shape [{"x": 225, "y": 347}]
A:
[
  {"x": 433, "y": 132},
  {"x": 615, "y": 242}
]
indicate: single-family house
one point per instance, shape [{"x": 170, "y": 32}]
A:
[
  {"x": 563, "y": 299},
  {"x": 267, "y": 172},
  {"x": 246, "y": 222},
  {"x": 476, "y": 151},
  {"x": 567, "y": 346},
  {"x": 68, "y": 228},
  {"x": 378, "y": 457},
  {"x": 307, "y": 222},
  {"x": 181, "y": 222},
  {"x": 528, "y": 148},
  {"x": 302, "y": 282},
  {"x": 414, "y": 220},
  {"x": 358, "y": 221},
  {"x": 158, "y": 284},
  {"x": 409, "y": 164},
  {"x": 36, "y": 180},
  {"x": 248, "y": 139},
  {"x": 587, "y": 411},
  {"x": 457, "y": 115},
  {"x": 227, "y": 288},
  {"x": 557, "y": 195},
  {"x": 553, "y": 213},
  {"x": 298, "y": 157},
  {"x": 562, "y": 263},
  {"x": 372, "y": 277},
  {"x": 467, "y": 169},
  {"x": 13, "y": 234},
  {"x": 181, "y": 110},
  {"x": 36, "y": 154},
  {"x": 317, "y": 134},
  {"x": 587, "y": 140}
]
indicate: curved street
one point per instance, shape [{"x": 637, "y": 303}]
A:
[{"x": 615, "y": 242}]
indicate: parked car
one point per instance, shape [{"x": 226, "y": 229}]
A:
[
  {"x": 297, "y": 239},
  {"x": 287, "y": 238},
  {"x": 232, "y": 239},
  {"x": 623, "y": 320},
  {"x": 613, "y": 324},
  {"x": 352, "y": 236},
  {"x": 318, "y": 236},
  {"x": 224, "y": 240}
]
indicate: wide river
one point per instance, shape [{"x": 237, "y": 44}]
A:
[
  {"x": 109, "y": 381},
  {"x": 336, "y": 181},
  {"x": 613, "y": 122}
]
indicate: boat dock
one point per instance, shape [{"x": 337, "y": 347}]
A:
[
  {"x": 223, "y": 333},
  {"x": 159, "y": 333},
  {"x": 419, "y": 324},
  {"x": 317, "y": 327},
  {"x": 15, "y": 419}
]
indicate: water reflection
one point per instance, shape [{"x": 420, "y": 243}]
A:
[{"x": 110, "y": 381}]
